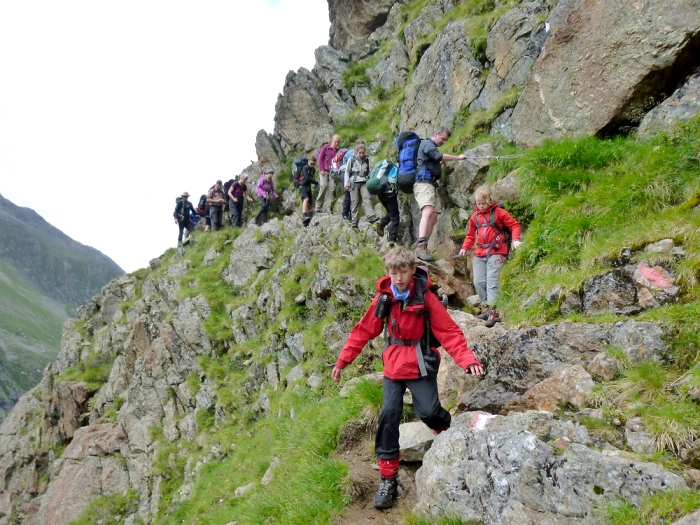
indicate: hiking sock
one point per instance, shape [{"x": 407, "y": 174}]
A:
[{"x": 389, "y": 468}]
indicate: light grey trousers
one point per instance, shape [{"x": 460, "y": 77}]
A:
[
  {"x": 486, "y": 270},
  {"x": 326, "y": 192},
  {"x": 358, "y": 192}
]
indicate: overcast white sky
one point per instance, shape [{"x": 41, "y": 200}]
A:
[{"x": 109, "y": 110}]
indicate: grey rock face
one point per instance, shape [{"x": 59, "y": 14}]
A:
[
  {"x": 679, "y": 107},
  {"x": 299, "y": 112},
  {"x": 446, "y": 80},
  {"x": 599, "y": 71},
  {"x": 421, "y": 26},
  {"x": 269, "y": 153},
  {"x": 249, "y": 256},
  {"x": 353, "y": 20},
  {"x": 513, "y": 45},
  {"x": 391, "y": 72},
  {"x": 497, "y": 470},
  {"x": 541, "y": 367}
]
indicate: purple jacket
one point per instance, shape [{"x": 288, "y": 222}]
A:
[
  {"x": 325, "y": 157},
  {"x": 265, "y": 188}
]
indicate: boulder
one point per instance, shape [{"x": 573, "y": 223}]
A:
[
  {"x": 679, "y": 107},
  {"x": 503, "y": 470},
  {"x": 600, "y": 70}
]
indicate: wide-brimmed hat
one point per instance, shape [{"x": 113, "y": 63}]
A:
[{"x": 185, "y": 194}]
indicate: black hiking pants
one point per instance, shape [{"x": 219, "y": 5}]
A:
[
  {"x": 391, "y": 202},
  {"x": 261, "y": 216},
  {"x": 426, "y": 406},
  {"x": 236, "y": 209},
  {"x": 186, "y": 224},
  {"x": 215, "y": 213},
  {"x": 347, "y": 201}
]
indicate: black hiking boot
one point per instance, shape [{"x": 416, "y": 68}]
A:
[
  {"x": 385, "y": 496},
  {"x": 306, "y": 219}
]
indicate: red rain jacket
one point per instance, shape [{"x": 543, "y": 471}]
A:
[
  {"x": 487, "y": 235},
  {"x": 400, "y": 361}
]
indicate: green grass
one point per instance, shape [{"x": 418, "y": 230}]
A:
[
  {"x": 306, "y": 485},
  {"x": 592, "y": 197},
  {"x": 110, "y": 510},
  {"x": 664, "y": 507},
  {"x": 94, "y": 371}
]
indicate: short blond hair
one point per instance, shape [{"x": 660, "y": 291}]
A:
[
  {"x": 400, "y": 258},
  {"x": 485, "y": 193}
]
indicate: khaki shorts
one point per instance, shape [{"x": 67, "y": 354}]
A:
[{"x": 425, "y": 194}]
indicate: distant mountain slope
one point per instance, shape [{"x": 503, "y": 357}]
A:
[
  {"x": 60, "y": 267},
  {"x": 30, "y": 335},
  {"x": 44, "y": 276}
]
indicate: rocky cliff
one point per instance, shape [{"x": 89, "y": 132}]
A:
[{"x": 170, "y": 380}]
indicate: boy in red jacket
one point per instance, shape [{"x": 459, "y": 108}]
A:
[
  {"x": 403, "y": 303},
  {"x": 491, "y": 249}
]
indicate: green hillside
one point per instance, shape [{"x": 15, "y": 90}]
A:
[
  {"x": 44, "y": 276},
  {"x": 30, "y": 334}
]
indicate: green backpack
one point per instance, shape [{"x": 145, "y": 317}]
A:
[{"x": 383, "y": 178}]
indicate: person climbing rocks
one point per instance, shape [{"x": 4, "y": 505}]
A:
[
  {"x": 357, "y": 172},
  {"x": 326, "y": 188},
  {"x": 238, "y": 194},
  {"x": 265, "y": 190},
  {"x": 429, "y": 170},
  {"x": 216, "y": 198},
  {"x": 305, "y": 188},
  {"x": 411, "y": 359},
  {"x": 183, "y": 208},
  {"x": 486, "y": 232}
]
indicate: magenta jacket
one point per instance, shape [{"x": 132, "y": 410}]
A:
[
  {"x": 325, "y": 157},
  {"x": 266, "y": 188}
]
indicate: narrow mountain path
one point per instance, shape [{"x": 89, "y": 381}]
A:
[{"x": 364, "y": 476}]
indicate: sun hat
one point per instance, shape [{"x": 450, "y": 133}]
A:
[{"x": 185, "y": 194}]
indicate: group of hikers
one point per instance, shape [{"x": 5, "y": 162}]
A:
[
  {"x": 414, "y": 320},
  {"x": 231, "y": 195}
]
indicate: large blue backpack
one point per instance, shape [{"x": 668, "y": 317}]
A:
[{"x": 407, "y": 145}]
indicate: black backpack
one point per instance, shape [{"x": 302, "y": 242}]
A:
[
  {"x": 297, "y": 171},
  {"x": 503, "y": 235},
  {"x": 407, "y": 144},
  {"x": 202, "y": 206}
]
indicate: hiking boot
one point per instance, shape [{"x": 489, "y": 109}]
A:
[
  {"x": 422, "y": 253},
  {"x": 484, "y": 315},
  {"x": 385, "y": 496},
  {"x": 491, "y": 319},
  {"x": 355, "y": 224},
  {"x": 380, "y": 228},
  {"x": 372, "y": 218},
  {"x": 346, "y": 218}
]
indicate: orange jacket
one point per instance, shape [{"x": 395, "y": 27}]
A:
[
  {"x": 406, "y": 323},
  {"x": 487, "y": 235}
]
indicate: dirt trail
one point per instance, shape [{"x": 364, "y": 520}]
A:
[{"x": 362, "y": 465}]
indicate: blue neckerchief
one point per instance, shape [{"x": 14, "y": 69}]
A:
[{"x": 399, "y": 296}]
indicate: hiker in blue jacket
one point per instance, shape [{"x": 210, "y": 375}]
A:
[
  {"x": 183, "y": 208},
  {"x": 429, "y": 169}
]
